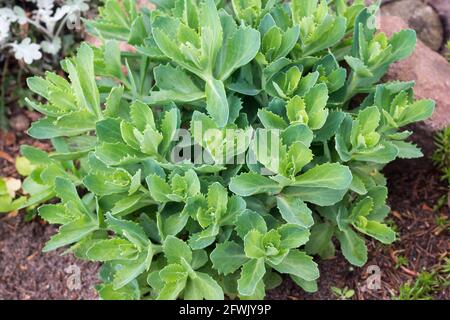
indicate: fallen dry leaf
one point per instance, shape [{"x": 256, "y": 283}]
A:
[
  {"x": 396, "y": 214},
  {"x": 10, "y": 138},
  {"x": 6, "y": 156},
  {"x": 13, "y": 185},
  {"x": 13, "y": 214}
]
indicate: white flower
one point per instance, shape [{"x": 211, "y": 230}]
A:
[
  {"x": 44, "y": 11},
  {"x": 59, "y": 14},
  {"x": 51, "y": 47},
  {"x": 75, "y": 7},
  {"x": 27, "y": 51},
  {"x": 6, "y": 14},
  {"x": 21, "y": 15},
  {"x": 4, "y": 30},
  {"x": 45, "y": 5}
]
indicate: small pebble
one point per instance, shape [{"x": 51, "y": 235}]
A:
[{"x": 20, "y": 123}]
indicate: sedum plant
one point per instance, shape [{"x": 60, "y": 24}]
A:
[{"x": 232, "y": 145}]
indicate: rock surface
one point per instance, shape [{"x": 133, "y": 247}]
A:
[
  {"x": 443, "y": 9},
  {"x": 428, "y": 69},
  {"x": 420, "y": 17}
]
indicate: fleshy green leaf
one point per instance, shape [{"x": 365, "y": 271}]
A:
[
  {"x": 294, "y": 211},
  {"x": 328, "y": 175},
  {"x": 247, "y": 184},
  {"x": 353, "y": 247},
  {"x": 252, "y": 272},
  {"x": 299, "y": 264},
  {"x": 227, "y": 257}
]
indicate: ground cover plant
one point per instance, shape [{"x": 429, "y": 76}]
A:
[
  {"x": 232, "y": 144},
  {"x": 441, "y": 158}
]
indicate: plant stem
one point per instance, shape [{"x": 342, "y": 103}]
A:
[
  {"x": 61, "y": 25},
  {"x": 144, "y": 67},
  {"x": 326, "y": 150},
  {"x": 40, "y": 28},
  {"x": 351, "y": 89},
  {"x": 3, "y": 87}
]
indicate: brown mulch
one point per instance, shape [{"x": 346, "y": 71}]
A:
[
  {"x": 27, "y": 273},
  {"x": 414, "y": 187}
]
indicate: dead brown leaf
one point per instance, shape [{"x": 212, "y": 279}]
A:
[{"x": 6, "y": 156}]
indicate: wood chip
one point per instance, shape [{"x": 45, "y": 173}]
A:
[
  {"x": 34, "y": 254},
  {"x": 409, "y": 272}
]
